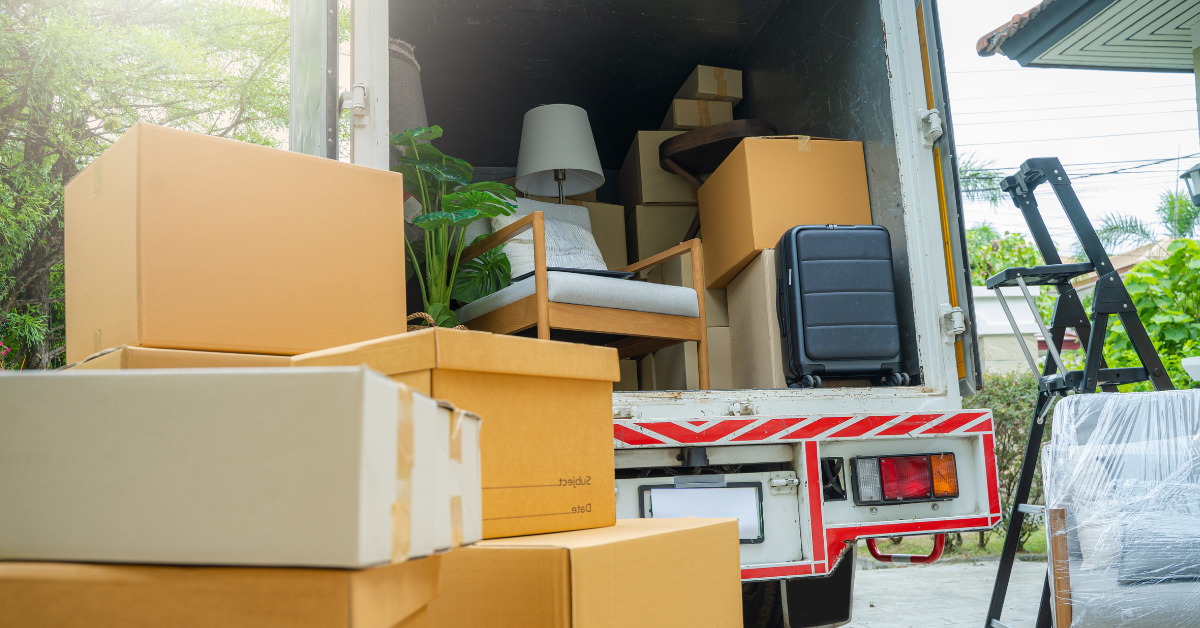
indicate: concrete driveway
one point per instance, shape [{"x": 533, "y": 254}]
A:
[{"x": 944, "y": 595}]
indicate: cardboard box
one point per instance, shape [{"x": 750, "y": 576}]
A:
[
  {"x": 178, "y": 240},
  {"x": 641, "y": 573},
  {"x": 769, "y": 185},
  {"x": 685, "y": 115},
  {"x": 629, "y": 379},
  {"x": 652, "y": 229},
  {"x": 755, "y": 350},
  {"x": 709, "y": 83},
  {"x": 547, "y": 406},
  {"x": 676, "y": 367},
  {"x": 644, "y": 182},
  {"x": 280, "y": 467},
  {"x": 125, "y": 357},
  {"x": 72, "y": 595},
  {"x": 678, "y": 272}
]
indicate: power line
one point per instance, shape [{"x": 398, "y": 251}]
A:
[
  {"x": 1117, "y": 104},
  {"x": 1109, "y": 115},
  {"x": 1086, "y": 137},
  {"x": 1096, "y": 91}
]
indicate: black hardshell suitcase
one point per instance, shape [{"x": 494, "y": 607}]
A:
[{"x": 836, "y": 302}]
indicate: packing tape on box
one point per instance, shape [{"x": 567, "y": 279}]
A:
[
  {"x": 456, "y": 521},
  {"x": 722, "y": 86},
  {"x": 402, "y": 506},
  {"x": 803, "y": 143},
  {"x": 702, "y": 109}
]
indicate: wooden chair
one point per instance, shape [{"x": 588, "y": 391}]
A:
[{"x": 640, "y": 332}]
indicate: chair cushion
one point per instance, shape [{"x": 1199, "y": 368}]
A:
[
  {"x": 569, "y": 240},
  {"x": 621, "y": 294}
]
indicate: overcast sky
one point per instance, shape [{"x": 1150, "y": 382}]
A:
[{"x": 1094, "y": 121}]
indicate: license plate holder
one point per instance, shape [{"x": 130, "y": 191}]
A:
[{"x": 740, "y": 500}]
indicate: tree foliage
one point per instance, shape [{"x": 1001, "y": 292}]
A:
[
  {"x": 1165, "y": 294},
  {"x": 74, "y": 76},
  {"x": 1011, "y": 398},
  {"x": 1177, "y": 218},
  {"x": 991, "y": 252},
  {"x": 979, "y": 180}
]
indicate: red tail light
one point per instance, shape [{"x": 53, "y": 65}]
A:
[
  {"x": 905, "y": 478},
  {"x": 898, "y": 479}
]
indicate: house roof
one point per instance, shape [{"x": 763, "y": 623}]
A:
[
  {"x": 1148, "y": 35},
  {"x": 1124, "y": 262},
  {"x": 990, "y": 43}
]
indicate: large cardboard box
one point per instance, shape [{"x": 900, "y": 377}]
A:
[
  {"x": 179, "y": 240},
  {"x": 652, "y": 229},
  {"x": 678, "y": 272},
  {"x": 125, "y": 357},
  {"x": 547, "y": 408},
  {"x": 72, "y": 595},
  {"x": 644, "y": 182},
  {"x": 771, "y": 184},
  {"x": 325, "y": 467},
  {"x": 755, "y": 350},
  {"x": 677, "y": 368},
  {"x": 709, "y": 83},
  {"x": 641, "y": 573},
  {"x": 629, "y": 377},
  {"x": 685, "y": 115}
]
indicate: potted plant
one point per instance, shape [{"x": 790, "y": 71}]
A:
[{"x": 449, "y": 203}]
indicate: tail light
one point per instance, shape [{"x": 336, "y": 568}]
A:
[{"x": 902, "y": 479}]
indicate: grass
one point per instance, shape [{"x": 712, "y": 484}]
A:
[{"x": 1036, "y": 544}]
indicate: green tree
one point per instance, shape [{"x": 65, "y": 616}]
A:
[
  {"x": 1165, "y": 294},
  {"x": 979, "y": 180},
  {"x": 76, "y": 74},
  {"x": 1177, "y": 218},
  {"x": 1011, "y": 398},
  {"x": 991, "y": 252}
]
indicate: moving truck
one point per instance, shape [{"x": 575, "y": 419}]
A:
[{"x": 809, "y": 472}]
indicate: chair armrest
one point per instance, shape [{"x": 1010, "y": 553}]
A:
[
  {"x": 655, "y": 260},
  {"x": 504, "y": 235}
]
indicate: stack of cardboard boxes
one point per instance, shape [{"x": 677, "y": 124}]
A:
[
  {"x": 660, "y": 206},
  {"x": 308, "y": 461}
]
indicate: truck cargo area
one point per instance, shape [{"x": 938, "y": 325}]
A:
[{"x": 809, "y": 68}]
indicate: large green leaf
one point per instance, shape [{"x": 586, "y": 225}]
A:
[
  {"x": 442, "y": 313},
  {"x": 434, "y": 220},
  {"x": 482, "y": 276},
  {"x": 419, "y": 134},
  {"x": 485, "y": 198},
  {"x": 448, "y": 169}
]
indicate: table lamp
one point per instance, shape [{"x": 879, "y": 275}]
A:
[{"x": 558, "y": 153}]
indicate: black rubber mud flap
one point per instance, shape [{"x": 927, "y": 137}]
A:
[
  {"x": 821, "y": 602},
  {"x": 762, "y": 604}
]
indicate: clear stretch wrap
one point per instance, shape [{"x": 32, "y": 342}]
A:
[{"x": 1122, "y": 475}]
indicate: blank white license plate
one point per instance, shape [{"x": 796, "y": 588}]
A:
[{"x": 740, "y": 502}]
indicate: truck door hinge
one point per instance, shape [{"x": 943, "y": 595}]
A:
[
  {"x": 355, "y": 99},
  {"x": 953, "y": 322},
  {"x": 931, "y": 126}
]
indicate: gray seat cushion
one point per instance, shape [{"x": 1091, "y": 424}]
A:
[{"x": 621, "y": 294}]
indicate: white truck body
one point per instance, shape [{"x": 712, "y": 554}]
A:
[{"x": 878, "y": 78}]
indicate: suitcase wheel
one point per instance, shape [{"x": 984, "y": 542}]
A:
[
  {"x": 808, "y": 381},
  {"x": 898, "y": 379}
]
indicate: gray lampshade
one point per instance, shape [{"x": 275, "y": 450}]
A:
[{"x": 558, "y": 137}]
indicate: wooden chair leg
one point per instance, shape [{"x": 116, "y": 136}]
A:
[
  {"x": 541, "y": 286},
  {"x": 699, "y": 284}
]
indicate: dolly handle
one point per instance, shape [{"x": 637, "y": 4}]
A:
[{"x": 939, "y": 543}]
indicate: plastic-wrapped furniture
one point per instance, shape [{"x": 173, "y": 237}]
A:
[
  {"x": 1122, "y": 477},
  {"x": 583, "y": 302}
]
